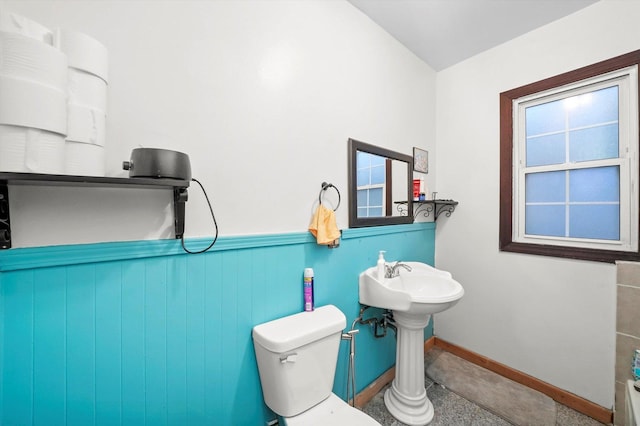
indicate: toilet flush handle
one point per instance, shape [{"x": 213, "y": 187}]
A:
[{"x": 292, "y": 357}]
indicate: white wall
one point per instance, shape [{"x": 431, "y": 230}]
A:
[
  {"x": 553, "y": 319},
  {"x": 262, "y": 96}
]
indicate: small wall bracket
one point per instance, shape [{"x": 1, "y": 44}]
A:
[
  {"x": 5, "y": 223},
  {"x": 180, "y": 197}
]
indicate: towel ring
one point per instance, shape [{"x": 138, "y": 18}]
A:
[{"x": 325, "y": 186}]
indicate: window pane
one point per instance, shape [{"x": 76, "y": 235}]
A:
[
  {"x": 377, "y": 160},
  {"x": 375, "y": 212},
  {"x": 363, "y": 212},
  {"x": 375, "y": 197},
  {"x": 545, "y": 220},
  {"x": 599, "y": 221},
  {"x": 594, "y": 143},
  {"x": 592, "y": 108},
  {"x": 545, "y": 118},
  {"x": 377, "y": 175},
  {"x": 596, "y": 184},
  {"x": 545, "y": 187},
  {"x": 363, "y": 159},
  {"x": 363, "y": 197},
  {"x": 363, "y": 177},
  {"x": 545, "y": 150}
]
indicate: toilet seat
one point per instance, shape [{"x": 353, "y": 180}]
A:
[{"x": 331, "y": 411}]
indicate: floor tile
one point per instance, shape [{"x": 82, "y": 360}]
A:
[
  {"x": 451, "y": 409},
  {"x": 568, "y": 417}
]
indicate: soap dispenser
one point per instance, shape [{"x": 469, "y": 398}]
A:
[{"x": 381, "y": 265}]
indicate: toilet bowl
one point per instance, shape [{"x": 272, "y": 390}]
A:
[
  {"x": 297, "y": 358},
  {"x": 331, "y": 411}
]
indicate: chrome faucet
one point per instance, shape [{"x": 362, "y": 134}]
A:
[{"x": 393, "y": 271}]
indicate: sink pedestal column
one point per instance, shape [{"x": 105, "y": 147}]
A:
[{"x": 406, "y": 399}]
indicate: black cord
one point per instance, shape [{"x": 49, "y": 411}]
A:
[{"x": 214, "y": 222}]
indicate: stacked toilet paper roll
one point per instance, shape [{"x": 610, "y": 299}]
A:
[
  {"x": 87, "y": 102},
  {"x": 17, "y": 24},
  {"x": 53, "y": 99},
  {"x": 33, "y": 98}
]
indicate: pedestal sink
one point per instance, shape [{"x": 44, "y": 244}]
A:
[{"x": 413, "y": 296}]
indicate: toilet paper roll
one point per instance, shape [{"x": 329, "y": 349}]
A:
[
  {"x": 14, "y": 23},
  {"x": 27, "y": 150},
  {"x": 84, "y": 159},
  {"x": 87, "y": 89},
  {"x": 28, "y": 59},
  {"x": 29, "y": 104},
  {"x": 84, "y": 52},
  {"x": 87, "y": 125}
]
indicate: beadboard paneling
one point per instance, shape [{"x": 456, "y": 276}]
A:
[{"x": 166, "y": 339}]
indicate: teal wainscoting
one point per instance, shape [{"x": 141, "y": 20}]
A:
[{"x": 141, "y": 333}]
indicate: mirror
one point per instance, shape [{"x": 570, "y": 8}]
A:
[{"x": 380, "y": 186}]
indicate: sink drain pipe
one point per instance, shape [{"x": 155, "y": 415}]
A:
[{"x": 378, "y": 324}]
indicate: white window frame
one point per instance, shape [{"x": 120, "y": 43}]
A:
[{"x": 627, "y": 81}]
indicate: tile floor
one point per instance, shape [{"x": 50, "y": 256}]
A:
[{"x": 453, "y": 410}]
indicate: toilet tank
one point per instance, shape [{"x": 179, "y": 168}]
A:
[{"x": 297, "y": 358}]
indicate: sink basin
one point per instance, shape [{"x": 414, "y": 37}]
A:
[{"x": 423, "y": 290}]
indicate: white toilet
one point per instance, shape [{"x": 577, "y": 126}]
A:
[{"x": 297, "y": 358}]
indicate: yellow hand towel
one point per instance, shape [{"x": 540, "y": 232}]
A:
[{"x": 323, "y": 226}]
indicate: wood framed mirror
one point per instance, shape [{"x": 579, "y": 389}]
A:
[{"x": 379, "y": 179}]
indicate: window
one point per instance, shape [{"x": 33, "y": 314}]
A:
[
  {"x": 370, "y": 185},
  {"x": 569, "y": 164}
]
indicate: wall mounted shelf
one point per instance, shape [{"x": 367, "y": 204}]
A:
[
  {"x": 179, "y": 188},
  {"x": 426, "y": 207}
]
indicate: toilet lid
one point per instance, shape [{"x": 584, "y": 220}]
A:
[{"x": 331, "y": 411}]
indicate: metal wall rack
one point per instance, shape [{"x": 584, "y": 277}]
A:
[
  {"x": 178, "y": 186},
  {"x": 426, "y": 207}
]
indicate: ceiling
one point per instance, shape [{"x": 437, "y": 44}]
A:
[{"x": 445, "y": 32}]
